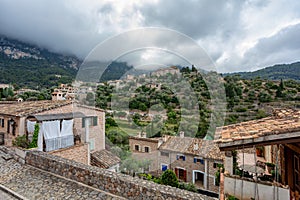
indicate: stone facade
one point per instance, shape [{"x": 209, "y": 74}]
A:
[
  {"x": 96, "y": 131},
  {"x": 78, "y": 153},
  {"x": 207, "y": 169},
  {"x": 118, "y": 184},
  {"x": 143, "y": 144},
  {"x": 198, "y": 166}
]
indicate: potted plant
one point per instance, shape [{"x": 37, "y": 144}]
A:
[
  {"x": 270, "y": 167},
  {"x": 260, "y": 151}
]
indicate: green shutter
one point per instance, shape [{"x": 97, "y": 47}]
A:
[
  {"x": 83, "y": 122},
  {"x": 95, "y": 121}
]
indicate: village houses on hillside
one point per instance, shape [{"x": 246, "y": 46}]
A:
[{"x": 193, "y": 160}]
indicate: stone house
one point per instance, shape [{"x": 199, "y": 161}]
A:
[
  {"x": 279, "y": 135},
  {"x": 193, "y": 160},
  {"x": 16, "y": 120}
]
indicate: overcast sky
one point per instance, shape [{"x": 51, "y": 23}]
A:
[{"x": 237, "y": 35}]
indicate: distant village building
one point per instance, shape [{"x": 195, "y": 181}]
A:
[
  {"x": 3, "y": 86},
  {"x": 193, "y": 160},
  {"x": 64, "y": 92},
  {"x": 164, "y": 71}
]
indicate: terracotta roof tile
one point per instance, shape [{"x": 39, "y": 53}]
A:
[
  {"x": 282, "y": 121},
  {"x": 104, "y": 159},
  {"x": 194, "y": 146},
  {"x": 30, "y": 107}
]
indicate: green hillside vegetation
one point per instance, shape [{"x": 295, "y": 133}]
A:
[
  {"x": 247, "y": 99},
  {"x": 276, "y": 72},
  {"x": 37, "y": 68}
]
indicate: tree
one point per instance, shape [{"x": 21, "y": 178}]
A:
[{"x": 169, "y": 178}]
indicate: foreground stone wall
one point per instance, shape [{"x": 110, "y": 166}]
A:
[
  {"x": 78, "y": 153},
  {"x": 115, "y": 183}
]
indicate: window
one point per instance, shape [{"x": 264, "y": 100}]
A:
[
  {"x": 216, "y": 165},
  {"x": 180, "y": 157},
  {"x": 200, "y": 160},
  {"x": 147, "y": 149},
  {"x": 2, "y": 123},
  {"x": 93, "y": 121},
  {"x": 164, "y": 154},
  {"x": 164, "y": 167},
  {"x": 136, "y": 147}
]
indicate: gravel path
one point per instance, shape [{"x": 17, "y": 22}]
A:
[{"x": 36, "y": 184}]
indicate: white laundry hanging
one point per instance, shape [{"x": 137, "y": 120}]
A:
[
  {"x": 51, "y": 130},
  {"x": 66, "y": 134},
  {"x": 30, "y": 126}
]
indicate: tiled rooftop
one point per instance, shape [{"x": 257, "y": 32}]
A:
[
  {"x": 104, "y": 159},
  {"x": 30, "y": 107},
  {"x": 178, "y": 144},
  {"x": 282, "y": 121},
  {"x": 194, "y": 146}
]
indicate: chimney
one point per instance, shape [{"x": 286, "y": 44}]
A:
[
  {"x": 165, "y": 138},
  {"x": 181, "y": 134},
  {"x": 143, "y": 134},
  {"x": 160, "y": 142}
]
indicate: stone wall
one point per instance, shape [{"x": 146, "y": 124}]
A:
[
  {"x": 78, "y": 153},
  {"x": 115, "y": 183},
  {"x": 142, "y": 143}
]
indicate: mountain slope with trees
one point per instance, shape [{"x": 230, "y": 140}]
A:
[{"x": 276, "y": 72}]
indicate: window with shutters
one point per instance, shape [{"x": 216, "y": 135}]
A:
[
  {"x": 92, "y": 120},
  {"x": 147, "y": 149},
  {"x": 164, "y": 167},
  {"x": 180, "y": 157},
  {"x": 198, "y": 160},
  {"x": 2, "y": 123},
  {"x": 136, "y": 147}
]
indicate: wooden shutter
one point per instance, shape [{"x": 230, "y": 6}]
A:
[
  {"x": 184, "y": 175},
  {"x": 95, "y": 121},
  {"x": 183, "y": 158},
  {"x": 83, "y": 122},
  {"x": 176, "y": 172},
  {"x": 177, "y": 157}
]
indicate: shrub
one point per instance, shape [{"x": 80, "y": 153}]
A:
[
  {"x": 21, "y": 141},
  {"x": 188, "y": 186},
  {"x": 169, "y": 178}
]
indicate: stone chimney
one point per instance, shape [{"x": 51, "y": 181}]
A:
[
  {"x": 165, "y": 138},
  {"x": 143, "y": 134},
  {"x": 160, "y": 142},
  {"x": 181, "y": 134}
]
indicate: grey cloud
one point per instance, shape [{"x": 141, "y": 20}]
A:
[
  {"x": 194, "y": 18},
  {"x": 284, "y": 45}
]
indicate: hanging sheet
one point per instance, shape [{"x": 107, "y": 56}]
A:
[
  {"x": 66, "y": 134},
  {"x": 51, "y": 130},
  {"x": 30, "y": 126}
]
